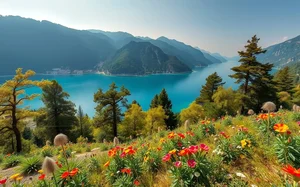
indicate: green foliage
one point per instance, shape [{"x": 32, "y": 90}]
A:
[
  {"x": 27, "y": 133},
  {"x": 211, "y": 110},
  {"x": 193, "y": 113},
  {"x": 11, "y": 161},
  {"x": 108, "y": 110},
  {"x": 155, "y": 119},
  {"x": 47, "y": 151},
  {"x": 30, "y": 165},
  {"x": 284, "y": 80},
  {"x": 213, "y": 81},
  {"x": 93, "y": 165},
  {"x": 59, "y": 114},
  {"x": 227, "y": 121}
]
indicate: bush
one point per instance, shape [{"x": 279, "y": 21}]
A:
[
  {"x": 47, "y": 151},
  {"x": 30, "y": 165},
  {"x": 11, "y": 161},
  {"x": 227, "y": 121}
]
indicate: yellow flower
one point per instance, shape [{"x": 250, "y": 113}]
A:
[
  {"x": 242, "y": 156},
  {"x": 243, "y": 143},
  {"x": 15, "y": 176},
  {"x": 40, "y": 171},
  {"x": 162, "y": 140},
  {"x": 172, "y": 151},
  {"x": 280, "y": 127},
  {"x": 19, "y": 178},
  {"x": 146, "y": 158}
]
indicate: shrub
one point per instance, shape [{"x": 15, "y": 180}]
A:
[
  {"x": 93, "y": 165},
  {"x": 30, "y": 165},
  {"x": 227, "y": 121},
  {"x": 11, "y": 161},
  {"x": 47, "y": 151}
]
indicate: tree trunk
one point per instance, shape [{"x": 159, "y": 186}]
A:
[
  {"x": 14, "y": 124},
  {"x": 56, "y": 122},
  {"x": 18, "y": 139},
  {"x": 115, "y": 121}
]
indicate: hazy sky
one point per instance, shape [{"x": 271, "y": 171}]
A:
[{"x": 215, "y": 25}]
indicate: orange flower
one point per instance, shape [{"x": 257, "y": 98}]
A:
[
  {"x": 171, "y": 135},
  {"x": 112, "y": 153},
  {"x": 106, "y": 164},
  {"x": 280, "y": 127},
  {"x": 65, "y": 175},
  {"x": 172, "y": 152},
  {"x": 42, "y": 177},
  {"x": 292, "y": 171},
  {"x": 136, "y": 182},
  {"x": 126, "y": 170},
  {"x": 74, "y": 172},
  {"x": 184, "y": 152}
]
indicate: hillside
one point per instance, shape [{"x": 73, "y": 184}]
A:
[
  {"x": 282, "y": 54},
  {"x": 141, "y": 58},
  {"x": 42, "y": 45}
]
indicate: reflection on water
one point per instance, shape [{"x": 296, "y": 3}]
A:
[{"x": 182, "y": 89}]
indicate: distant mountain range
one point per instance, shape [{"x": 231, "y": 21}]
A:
[
  {"x": 140, "y": 58},
  {"x": 42, "y": 46},
  {"x": 286, "y": 53}
]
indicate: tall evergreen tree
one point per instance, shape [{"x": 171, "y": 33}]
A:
[
  {"x": 213, "y": 81},
  {"x": 284, "y": 80},
  {"x": 60, "y": 112},
  {"x": 163, "y": 100},
  {"x": 108, "y": 110},
  {"x": 253, "y": 72},
  {"x": 80, "y": 116}
]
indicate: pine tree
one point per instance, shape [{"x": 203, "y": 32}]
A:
[
  {"x": 12, "y": 96},
  {"x": 252, "y": 72},
  {"x": 284, "y": 80},
  {"x": 80, "y": 116},
  {"x": 108, "y": 110},
  {"x": 213, "y": 81},
  {"x": 163, "y": 100},
  {"x": 296, "y": 95},
  {"x": 60, "y": 112}
]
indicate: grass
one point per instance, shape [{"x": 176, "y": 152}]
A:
[
  {"x": 31, "y": 165},
  {"x": 11, "y": 161}
]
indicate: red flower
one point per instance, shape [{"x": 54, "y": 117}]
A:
[
  {"x": 159, "y": 148},
  {"x": 3, "y": 181},
  {"x": 192, "y": 163},
  {"x": 126, "y": 170},
  {"x": 41, "y": 177},
  {"x": 178, "y": 164},
  {"x": 179, "y": 144},
  {"x": 136, "y": 182},
  {"x": 184, "y": 152},
  {"x": 193, "y": 148},
  {"x": 74, "y": 172},
  {"x": 65, "y": 175},
  {"x": 204, "y": 147},
  {"x": 293, "y": 171},
  {"x": 112, "y": 153},
  {"x": 223, "y": 134},
  {"x": 58, "y": 164},
  {"x": 123, "y": 154},
  {"x": 181, "y": 135},
  {"x": 167, "y": 157},
  {"x": 288, "y": 132}
]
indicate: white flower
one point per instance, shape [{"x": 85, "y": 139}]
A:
[
  {"x": 253, "y": 185},
  {"x": 238, "y": 147},
  {"x": 240, "y": 175}
]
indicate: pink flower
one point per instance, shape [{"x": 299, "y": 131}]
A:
[
  {"x": 193, "y": 148},
  {"x": 123, "y": 154},
  {"x": 178, "y": 164},
  {"x": 167, "y": 157},
  {"x": 204, "y": 147},
  {"x": 191, "y": 163}
]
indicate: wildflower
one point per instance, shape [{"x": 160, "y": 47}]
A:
[
  {"x": 42, "y": 177},
  {"x": 240, "y": 175},
  {"x": 191, "y": 163},
  {"x": 172, "y": 152},
  {"x": 178, "y": 164},
  {"x": 184, "y": 152},
  {"x": 171, "y": 135},
  {"x": 245, "y": 142},
  {"x": 190, "y": 133},
  {"x": 136, "y": 182},
  {"x": 112, "y": 153},
  {"x": 179, "y": 144},
  {"x": 162, "y": 140},
  {"x": 159, "y": 148},
  {"x": 146, "y": 158},
  {"x": 167, "y": 157},
  {"x": 40, "y": 171},
  {"x": 269, "y": 106},
  {"x": 106, "y": 164},
  {"x": 292, "y": 171},
  {"x": 15, "y": 176},
  {"x": 298, "y": 122},
  {"x": 181, "y": 135},
  {"x": 65, "y": 175},
  {"x": 74, "y": 172},
  {"x": 224, "y": 135},
  {"x": 19, "y": 178},
  {"x": 58, "y": 164},
  {"x": 126, "y": 170},
  {"x": 60, "y": 140},
  {"x": 3, "y": 181},
  {"x": 204, "y": 147},
  {"x": 193, "y": 148},
  {"x": 123, "y": 154},
  {"x": 280, "y": 127}
]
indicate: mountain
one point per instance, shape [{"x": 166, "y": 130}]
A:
[
  {"x": 42, "y": 45},
  {"x": 219, "y": 57},
  {"x": 214, "y": 57},
  {"x": 282, "y": 54},
  {"x": 140, "y": 58},
  {"x": 200, "y": 60}
]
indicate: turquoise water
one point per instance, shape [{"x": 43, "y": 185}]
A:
[{"x": 182, "y": 89}]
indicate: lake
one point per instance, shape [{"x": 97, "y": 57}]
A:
[{"x": 182, "y": 89}]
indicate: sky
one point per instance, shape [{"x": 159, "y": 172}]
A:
[{"x": 221, "y": 26}]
